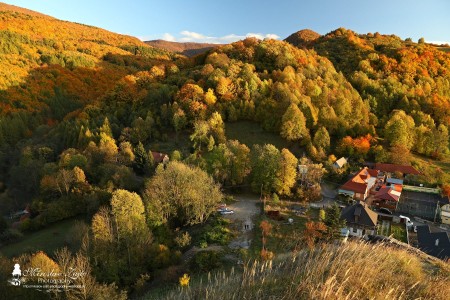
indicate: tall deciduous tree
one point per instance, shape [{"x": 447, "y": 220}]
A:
[
  {"x": 200, "y": 137},
  {"x": 180, "y": 194},
  {"x": 322, "y": 139},
  {"x": 265, "y": 161},
  {"x": 217, "y": 127},
  {"x": 293, "y": 124},
  {"x": 129, "y": 215},
  {"x": 399, "y": 130},
  {"x": 287, "y": 172}
]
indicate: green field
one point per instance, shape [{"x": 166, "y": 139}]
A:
[
  {"x": 431, "y": 166},
  {"x": 250, "y": 133},
  {"x": 48, "y": 239}
]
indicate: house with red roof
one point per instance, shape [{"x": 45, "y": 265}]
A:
[
  {"x": 393, "y": 168},
  {"x": 359, "y": 186},
  {"x": 388, "y": 196}
]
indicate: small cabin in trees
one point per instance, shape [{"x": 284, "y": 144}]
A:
[
  {"x": 159, "y": 158},
  {"x": 360, "y": 219},
  {"x": 338, "y": 164}
]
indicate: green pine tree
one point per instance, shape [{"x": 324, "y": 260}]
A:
[{"x": 333, "y": 222}]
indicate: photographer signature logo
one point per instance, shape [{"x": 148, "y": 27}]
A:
[
  {"x": 45, "y": 280},
  {"x": 16, "y": 273}
]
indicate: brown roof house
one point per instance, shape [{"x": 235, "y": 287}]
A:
[
  {"x": 359, "y": 186},
  {"x": 160, "y": 158},
  {"x": 393, "y": 168},
  {"x": 360, "y": 219}
]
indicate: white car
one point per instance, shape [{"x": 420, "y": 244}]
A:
[{"x": 226, "y": 211}]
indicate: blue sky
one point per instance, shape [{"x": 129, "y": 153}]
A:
[{"x": 226, "y": 21}]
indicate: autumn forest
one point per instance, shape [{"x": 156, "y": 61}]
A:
[{"x": 84, "y": 114}]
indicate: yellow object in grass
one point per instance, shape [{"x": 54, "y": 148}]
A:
[{"x": 184, "y": 280}]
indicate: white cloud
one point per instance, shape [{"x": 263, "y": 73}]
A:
[
  {"x": 168, "y": 37},
  {"x": 190, "y": 36},
  {"x": 438, "y": 42}
]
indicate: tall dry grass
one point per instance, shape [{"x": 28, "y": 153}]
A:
[{"x": 355, "y": 270}]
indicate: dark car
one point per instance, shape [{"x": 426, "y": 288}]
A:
[{"x": 385, "y": 211}]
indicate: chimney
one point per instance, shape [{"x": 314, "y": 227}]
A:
[{"x": 436, "y": 243}]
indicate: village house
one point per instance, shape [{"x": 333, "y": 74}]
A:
[
  {"x": 445, "y": 214},
  {"x": 359, "y": 186},
  {"x": 160, "y": 158},
  {"x": 433, "y": 242},
  {"x": 388, "y": 196},
  {"x": 338, "y": 164},
  {"x": 360, "y": 219},
  {"x": 394, "y": 168}
]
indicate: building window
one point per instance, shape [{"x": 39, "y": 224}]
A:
[{"x": 355, "y": 230}]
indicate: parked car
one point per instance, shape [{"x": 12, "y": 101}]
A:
[
  {"x": 226, "y": 211},
  {"x": 221, "y": 207},
  {"x": 385, "y": 211}
]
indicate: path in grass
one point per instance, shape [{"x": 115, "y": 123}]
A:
[{"x": 48, "y": 240}]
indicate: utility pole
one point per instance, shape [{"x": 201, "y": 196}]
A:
[
  {"x": 261, "y": 198},
  {"x": 435, "y": 211}
]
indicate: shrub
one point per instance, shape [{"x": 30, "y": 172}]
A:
[
  {"x": 183, "y": 240},
  {"x": 217, "y": 232},
  {"x": 321, "y": 214},
  {"x": 10, "y": 235},
  {"x": 205, "y": 261},
  {"x": 275, "y": 198},
  {"x": 266, "y": 255}
]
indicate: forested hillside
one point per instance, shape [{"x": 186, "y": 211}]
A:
[
  {"x": 39, "y": 53},
  {"x": 187, "y": 48},
  {"x": 394, "y": 75}
]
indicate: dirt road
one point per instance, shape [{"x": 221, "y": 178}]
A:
[{"x": 246, "y": 208}]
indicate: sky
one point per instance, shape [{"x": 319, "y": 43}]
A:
[{"x": 217, "y": 21}]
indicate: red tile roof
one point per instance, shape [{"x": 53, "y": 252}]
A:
[
  {"x": 358, "y": 183},
  {"x": 356, "y": 187},
  {"x": 392, "y": 168},
  {"x": 385, "y": 193}
]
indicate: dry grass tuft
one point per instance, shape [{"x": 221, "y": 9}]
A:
[{"x": 355, "y": 270}]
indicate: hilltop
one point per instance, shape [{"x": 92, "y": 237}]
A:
[
  {"x": 188, "y": 49},
  {"x": 302, "y": 38}
]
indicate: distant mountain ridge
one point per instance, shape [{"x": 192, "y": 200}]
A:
[{"x": 189, "y": 49}]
